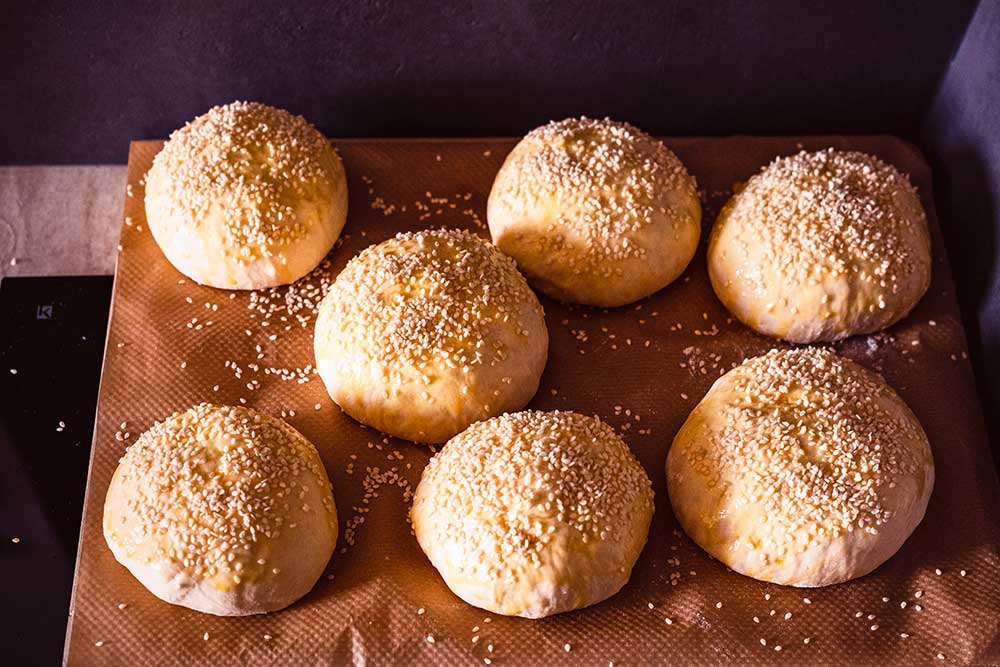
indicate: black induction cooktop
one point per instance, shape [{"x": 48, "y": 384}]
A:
[{"x": 52, "y": 334}]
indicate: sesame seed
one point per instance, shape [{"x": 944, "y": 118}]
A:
[
  {"x": 205, "y": 636},
  {"x": 15, "y": 540},
  {"x": 610, "y": 182},
  {"x": 788, "y": 615},
  {"x": 420, "y": 611},
  {"x": 937, "y": 571},
  {"x": 860, "y": 445},
  {"x": 718, "y": 605},
  {"x": 567, "y": 647},
  {"x": 480, "y": 471},
  {"x": 806, "y": 640},
  {"x": 215, "y": 158},
  {"x": 430, "y": 639},
  {"x": 99, "y": 643},
  {"x": 961, "y": 573},
  {"x": 849, "y": 214},
  {"x": 122, "y": 605},
  {"x": 806, "y": 600},
  {"x": 219, "y": 533},
  {"x": 668, "y": 621}
]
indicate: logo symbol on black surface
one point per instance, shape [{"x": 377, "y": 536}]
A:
[{"x": 44, "y": 312}]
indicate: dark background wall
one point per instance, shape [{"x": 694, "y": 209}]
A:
[
  {"x": 962, "y": 135},
  {"x": 79, "y": 80}
]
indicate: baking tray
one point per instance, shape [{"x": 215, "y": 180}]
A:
[{"x": 172, "y": 343}]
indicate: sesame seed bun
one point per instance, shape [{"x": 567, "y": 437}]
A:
[
  {"x": 821, "y": 246},
  {"x": 595, "y": 212},
  {"x": 223, "y": 510},
  {"x": 428, "y": 332},
  {"x": 534, "y": 513},
  {"x": 800, "y": 467},
  {"x": 245, "y": 197}
]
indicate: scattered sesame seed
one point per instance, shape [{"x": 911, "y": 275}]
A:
[
  {"x": 99, "y": 643},
  {"x": 420, "y": 611},
  {"x": 430, "y": 639},
  {"x": 961, "y": 573},
  {"x": 807, "y": 600},
  {"x": 567, "y": 647},
  {"x": 205, "y": 636},
  {"x": 15, "y": 540},
  {"x": 668, "y": 621},
  {"x": 937, "y": 571},
  {"x": 718, "y": 605}
]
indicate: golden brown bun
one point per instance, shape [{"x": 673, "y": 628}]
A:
[
  {"x": 224, "y": 510},
  {"x": 595, "y": 212},
  {"x": 800, "y": 467},
  {"x": 246, "y": 196},
  {"x": 428, "y": 332},
  {"x": 821, "y": 246},
  {"x": 534, "y": 513}
]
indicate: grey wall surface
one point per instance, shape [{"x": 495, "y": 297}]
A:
[
  {"x": 962, "y": 134},
  {"x": 80, "y": 79}
]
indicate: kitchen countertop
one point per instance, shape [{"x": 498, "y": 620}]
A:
[{"x": 59, "y": 220}]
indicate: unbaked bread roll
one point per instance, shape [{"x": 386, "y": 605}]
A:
[
  {"x": 595, "y": 212},
  {"x": 800, "y": 467},
  {"x": 534, "y": 513},
  {"x": 224, "y": 510},
  {"x": 821, "y": 246},
  {"x": 428, "y": 332},
  {"x": 245, "y": 197}
]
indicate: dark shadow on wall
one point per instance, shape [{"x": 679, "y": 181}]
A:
[{"x": 962, "y": 133}]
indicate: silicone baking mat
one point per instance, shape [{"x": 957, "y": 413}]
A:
[{"x": 172, "y": 343}]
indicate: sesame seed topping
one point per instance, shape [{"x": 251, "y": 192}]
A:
[
  {"x": 204, "y": 490},
  {"x": 819, "y": 427},
  {"x": 254, "y": 162},
  {"x": 605, "y": 183},
  {"x": 811, "y": 218},
  {"x": 425, "y": 307},
  {"x": 485, "y": 493}
]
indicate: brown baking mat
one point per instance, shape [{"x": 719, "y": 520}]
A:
[{"x": 641, "y": 368}]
